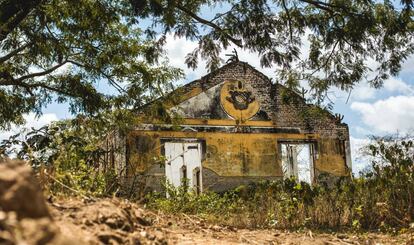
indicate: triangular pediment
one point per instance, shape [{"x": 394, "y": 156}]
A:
[
  {"x": 239, "y": 92},
  {"x": 235, "y": 91}
]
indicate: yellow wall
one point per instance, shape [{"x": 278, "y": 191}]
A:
[{"x": 234, "y": 154}]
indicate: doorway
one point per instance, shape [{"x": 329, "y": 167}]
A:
[
  {"x": 298, "y": 161},
  {"x": 183, "y": 164}
]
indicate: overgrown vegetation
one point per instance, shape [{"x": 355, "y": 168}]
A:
[
  {"x": 72, "y": 51},
  {"x": 69, "y": 160},
  {"x": 72, "y": 156},
  {"x": 381, "y": 199}
]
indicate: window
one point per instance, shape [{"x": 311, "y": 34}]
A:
[{"x": 297, "y": 161}]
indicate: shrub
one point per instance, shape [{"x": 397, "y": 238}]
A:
[
  {"x": 68, "y": 155},
  {"x": 381, "y": 199}
]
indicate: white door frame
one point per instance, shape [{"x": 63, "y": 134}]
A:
[{"x": 183, "y": 152}]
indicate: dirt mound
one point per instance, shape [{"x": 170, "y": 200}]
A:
[
  {"x": 25, "y": 219},
  {"x": 24, "y": 216},
  {"x": 108, "y": 221},
  {"x": 20, "y": 192},
  {"x": 117, "y": 221}
]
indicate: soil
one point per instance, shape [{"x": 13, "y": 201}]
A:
[
  {"x": 26, "y": 219},
  {"x": 115, "y": 221}
]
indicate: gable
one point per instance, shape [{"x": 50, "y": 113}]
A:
[
  {"x": 205, "y": 99},
  {"x": 236, "y": 91}
]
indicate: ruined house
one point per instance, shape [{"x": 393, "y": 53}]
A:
[{"x": 235, "y": 126}]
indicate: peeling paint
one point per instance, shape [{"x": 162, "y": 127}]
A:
[{"x": 241, "y": 128}]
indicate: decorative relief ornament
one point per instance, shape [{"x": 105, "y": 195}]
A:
[{"x": 238, "y": 101}]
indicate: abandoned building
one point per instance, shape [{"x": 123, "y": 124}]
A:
[{"x": 235, "y": 126}]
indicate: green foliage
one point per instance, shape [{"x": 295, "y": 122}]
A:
[
  {"x": 89, "y": 54},
  {"x": 344, "y": 35},
  {"x": 393, "y": 177},
  {"x": 381, "y": 199},
  {"x": 70, "y": 154},
  {"x": 180, "y": 199},
  {"x": 64, "y": 51}
]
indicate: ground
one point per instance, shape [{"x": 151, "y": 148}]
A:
[
  {"x": 116, "y": 221},
  {"x": 27, "y": 219}
]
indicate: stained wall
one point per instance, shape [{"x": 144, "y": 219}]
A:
[{"x": 238, "y": 151}]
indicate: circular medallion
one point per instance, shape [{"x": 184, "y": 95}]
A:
[{"x": 238, "y": 101}]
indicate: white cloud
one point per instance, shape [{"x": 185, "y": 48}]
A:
[
  {"x": 407, "y": 66},
  {"x": 391, "y": 115},
  {"x": 178, "y": 48},
  {"x": 253, "y": 59},
  {"x": 363, "y": 91},
  {"x": 31, "y": 122},
  {"x": 398, "y": 85},
  {"x": 362, "y": 130},
  {"x": 360, "y": 162}
]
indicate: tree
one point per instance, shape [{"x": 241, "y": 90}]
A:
[
  {"x": 63, "y": 50},
  {"x": 344, "y": 36}
]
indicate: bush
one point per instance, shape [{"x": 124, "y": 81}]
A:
[
  {"x": 68, "y": 155},
  {"x": 381, "y": 199}
]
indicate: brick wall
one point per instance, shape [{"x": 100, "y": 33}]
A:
[{"x": 292, "y": 113}]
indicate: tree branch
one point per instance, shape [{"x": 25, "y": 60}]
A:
[
  {"x": 327, "y": 59},
  {"x": 13, "y": 12},
  {"x": 237, "y": 42},
  {"x": 111, "y": 81},
  {"x": 45, "y": 86},
  {"x": 320, "y": 5},
  {"x": 14, "y": 52},
  {"x": 42, "y": 73},
  {"x": 223, "y": 14},
  {"x": 10, "y": 81},
  {"x": 289, "y": 19}
]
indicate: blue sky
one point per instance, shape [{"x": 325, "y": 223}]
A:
[{"x": 369, "y": 111}]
